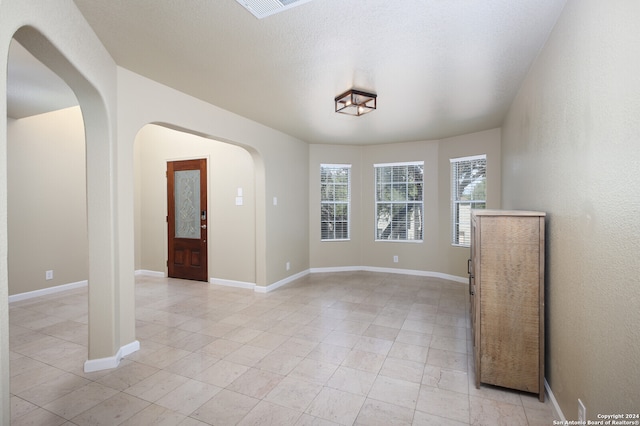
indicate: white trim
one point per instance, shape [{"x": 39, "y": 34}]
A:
[
  {"x": 554, "y": 402},
  {"x": 255, "y": 287},
  {"x": 456, "y": 203},
  {"x": 335, "y": 166},
  {"x": 335, "y": 269},
  {"x": 278, "y": 284},
  {"x": 391, "y": 203},
  {"x": 392, "y": 271},
  {"x": 100, "y": 364},
  {"x": 147, "y": 273},
  {"x": 469, "y": 158},
  {"x": 400, "y": 163},
  {"x": 386, "y": 240},
  {"x": 418, "y": 273},
  {"x": 334, "y": 203},
  {"x": 232, "y": 283},
  {"x": 48, "y": 290}
]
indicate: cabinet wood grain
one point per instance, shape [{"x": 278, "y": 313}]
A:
[{"x": 506, "y": 283}]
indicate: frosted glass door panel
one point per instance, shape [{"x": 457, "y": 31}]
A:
[{"x": 187, "y": 204}]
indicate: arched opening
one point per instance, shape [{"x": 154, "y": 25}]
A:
[
  {"x": 232, "y": 225},
  {"x": 106, "y": 319},
  {"x": 47, "y": 225}
]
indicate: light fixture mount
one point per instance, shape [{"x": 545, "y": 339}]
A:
[{"x": 356, "y": 102}]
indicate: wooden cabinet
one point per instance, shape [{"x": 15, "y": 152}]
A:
[{"x": 506, "y": 284}]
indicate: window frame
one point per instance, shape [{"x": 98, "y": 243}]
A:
[
  {"x": 456, "y": 202},
  {"x": 406, "y": 202},
  {"x": 324, "y": 202}
]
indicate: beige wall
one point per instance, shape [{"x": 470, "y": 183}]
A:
[
  {"x": 231, "y": 228},
  {"x": 451, "y": 258},
  {"x": 57, "y": 34},
  {"x": 434, "y": 255},
  {"x": 47, "y": 203},
  {"x": 570, "y": 147},
  {"x": 335, "y": 254},
  {"x": 280, "y": 166}
]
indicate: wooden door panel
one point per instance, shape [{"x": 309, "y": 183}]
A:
[{"x": 187, "y": 219}]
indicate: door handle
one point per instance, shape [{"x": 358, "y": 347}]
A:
[{"x": 203, "y": 226}]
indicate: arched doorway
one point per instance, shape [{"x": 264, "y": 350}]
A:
[
  {"x": 232, "y": 205},
  {"x": 47, "y": 225},
  {"x": 110, "y": 322}
]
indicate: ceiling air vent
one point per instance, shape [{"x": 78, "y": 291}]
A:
[{"x": 263, "y": 8}]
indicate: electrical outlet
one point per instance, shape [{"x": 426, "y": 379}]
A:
[
  {"x": 288, "y": 265},
  {"x": 395, "y": 259},
  {"x": 582, "y": 412},
  {"x": 48, "y": 275}
]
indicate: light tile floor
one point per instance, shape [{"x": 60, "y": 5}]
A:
[{"x": 353, "y": 348}]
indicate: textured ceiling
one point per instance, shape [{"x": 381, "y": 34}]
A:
[
  {"x": 33, "y": 88},
  {"x": 440, "y": 67}
]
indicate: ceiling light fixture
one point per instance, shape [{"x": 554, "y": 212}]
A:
[{"x": 355, "y": 102}]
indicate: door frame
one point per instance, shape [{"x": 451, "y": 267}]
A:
[{"x": 206, "y": 158}]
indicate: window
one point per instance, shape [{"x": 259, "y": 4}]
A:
[
  {"x": 335, "y": 198},
  {"x": 468, "y": 191},
  {"x": 399, "y": 204}
]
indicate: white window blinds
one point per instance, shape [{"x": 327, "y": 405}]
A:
[
  {"x": 335, "y": 200},
  {"x": 468, "y": 191},
  {"x": 399, "y": 201}
]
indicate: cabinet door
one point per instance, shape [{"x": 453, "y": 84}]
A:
[{"x": 509, "y": 302}]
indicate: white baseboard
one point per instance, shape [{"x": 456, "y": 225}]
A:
[
  {"x": 553, "y": 400},
  {"x": 148, "y": 273},
  {"x": 232, "y": 283},
  {"x": 46, "y": 291},
  {"x": 278, "y": 284},
  {"x": 335, "y": 269},
  {"x": 392, "y": 271},
  {"x": 99, "y": 364}
]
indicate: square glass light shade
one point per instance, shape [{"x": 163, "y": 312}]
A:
[{"x": 355, "y": 102}]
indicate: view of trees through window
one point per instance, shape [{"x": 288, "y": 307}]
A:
[
  {"x": 469, "y": 191},
  {"x": 399, "y": 201},
  {"x": 335, "y": 194}
]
